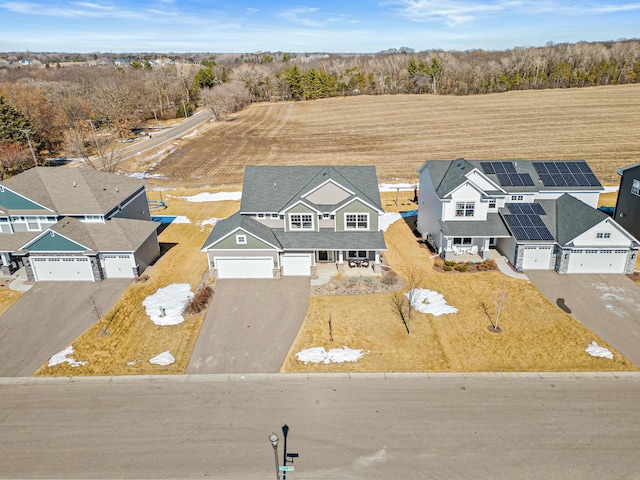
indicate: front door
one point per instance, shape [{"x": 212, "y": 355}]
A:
[{"x": 325, "y": 256}]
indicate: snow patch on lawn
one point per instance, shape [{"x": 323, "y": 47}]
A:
[
  {"x": 143, "y": 175},
  {"x": 428, "y": 301},
  {"x": 213, "y": 197},
  {"x": 164, "y": 359},
  {"x": 208, "y": 221},
  {"x": 596, "y": 351},
  {"x": 62, "y": 357},
  {"x": 386, "y": 219},
  {"x": 335, "y": 355},
  {"x": 173, "y": 299},
  {"x": 181, "y": 219},
  {"x": 192, "y": 134}
]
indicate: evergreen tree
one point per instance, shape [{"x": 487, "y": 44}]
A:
[{"x": 13, "y": 123}]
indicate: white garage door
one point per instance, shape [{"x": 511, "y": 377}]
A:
[
  {"x": 118, "y": 266},
  {"x": 597, "y": 261},
  {"x": 249, "y": 267},
  {"x": 296, "y": 265},
  {"x": 56, "y": 269},
  {"x": 537, "y": 258}
]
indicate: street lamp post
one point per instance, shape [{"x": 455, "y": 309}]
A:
[
  {"x": 273, "y": 438},
  {"x": 26, "y": 132}
]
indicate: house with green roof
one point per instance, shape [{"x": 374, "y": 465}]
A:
[
  {"x": 540, "y": 215},
  {"x": 74, "y": 224},
  {"x": 294, "y": 218}
]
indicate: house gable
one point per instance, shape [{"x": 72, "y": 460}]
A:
[
  {"x": 51, "y": 241},
  {"x": 356, "y": 206},
  {"x": 483, "y": 182},
  {"x": 303, "y": 216},
  {"x": 240, "y": 239},
  {"x": 11, "y": 200},
  {"x": 604, "y": 234},
  {"x": 329, "y": 193}
]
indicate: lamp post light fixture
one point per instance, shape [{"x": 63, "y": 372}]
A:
[{"x": 273, "y": 438}]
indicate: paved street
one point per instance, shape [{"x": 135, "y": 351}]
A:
[
  {"x": 365, "y": 426},
  {"x": 47, "y": 318},
  {"x": 250, "y": 325},
  {"x": 608, "y": 305}
]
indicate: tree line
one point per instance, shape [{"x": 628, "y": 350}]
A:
[{"x": 65, "y": 109}]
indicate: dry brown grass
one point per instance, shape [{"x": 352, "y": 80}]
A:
[
  {"x": 397, "y": 133},
  {"x": 7, "y": 298},
  {"x": 132, "y": 336},
  {"x": 537, "y": 336}
]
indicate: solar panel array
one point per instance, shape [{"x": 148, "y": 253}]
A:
[
  {"x": 507, "y": 174},
  {"x": 528, "y": 227},
  {"x": 566, "y": 174},
  {"x": 525, "y": 208}
]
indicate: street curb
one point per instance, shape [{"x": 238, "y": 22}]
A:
[{"x": 302, "y": 377}]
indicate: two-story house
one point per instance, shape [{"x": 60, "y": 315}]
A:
[
  {"x": 293, "y": 218},
  {"x": 539, "y": 215},
  {"x": 627, "y": 212},
  {"x": 73, "y": 224}
]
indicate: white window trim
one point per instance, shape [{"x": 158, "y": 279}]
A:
[
  {"x": 603, "y": 235},
  {"x": 302, "y": 221},
  {"x": 241, "y": 239},
  {"x": 635, "y": 187},
  {"x": 357, "y": 221},
  {"x": 517, "y": 198},
  {"x": 465, "y": 208},
  {"x": 274, "y": 216}
]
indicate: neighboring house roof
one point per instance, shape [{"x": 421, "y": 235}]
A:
[
  {"x": 116, "y": 235},
  {"x": 446, "y": 175},
  {"x": 273, "y": 189},
  {"x": 10, "y": 242},
  {"x": 73, "y": 191},
  {"x": 621, "y": 171},
  {"x": 227, "y": 226},
  {"x": 492, "y": 227}
]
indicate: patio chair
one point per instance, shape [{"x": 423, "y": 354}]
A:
[
  {"x": 456, "y": 250},
  {"x": 473, "y": 250},
  {"x": 365, "y": 263},
  {"x": 352, "y": 263}
]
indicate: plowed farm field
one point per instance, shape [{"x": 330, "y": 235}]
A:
[{"x": 397, "y": 133}]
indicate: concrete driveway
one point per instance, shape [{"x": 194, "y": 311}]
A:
[
  {"x": 47, "y": 318},
  {"x": 608, "y": 305},
  {"x": 250, "y": 325}
]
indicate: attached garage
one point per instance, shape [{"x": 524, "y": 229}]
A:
[
  {"x": 537, "y": 257},
  {"x": 245, "y": 267},
  {"x": 598, "y": 261},
  {"x": 296, "y": 265},
  {"x": 118, "y": 265},
  {"x": 57, "y": 269}
]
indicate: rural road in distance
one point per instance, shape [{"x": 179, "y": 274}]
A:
[{"x": 410, "y": 426}]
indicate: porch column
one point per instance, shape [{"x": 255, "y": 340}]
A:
[
  {"x": 377, "y": 260},
  {"x": 340, "y": 256}
]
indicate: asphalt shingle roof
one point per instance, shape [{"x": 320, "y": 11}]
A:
[
  {"x": 237, "y": 220},
  {"x": 74, "y": 191}
]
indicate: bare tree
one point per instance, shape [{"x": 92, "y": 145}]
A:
[
  {"x": 100, "y": 151},
  {"x": 499, "y": 298},
  {"x": 403, "y": 302}
]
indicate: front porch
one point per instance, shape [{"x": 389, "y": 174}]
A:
[{"x": 332, "y": 269}]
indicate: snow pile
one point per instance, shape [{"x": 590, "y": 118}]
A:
[
  {"x": 596, "y": 351},
  {"x": 143, "y": 175},
  {"x": 166, "y": 305},
  {"x": 164, "y": 359},
  {"x": 335, "y": 355},
  {"x": 393, "y": 187},
  {"x": 386, "y": 219},
  {"x": 61, "y": 357},
  {"x": 213, "y": 197},
  {"x": 428, "y": 301},
  {"x": 192, "y": 134},
  {"x": 181, "y": 219},
  {"x": 208, "y": 221}
]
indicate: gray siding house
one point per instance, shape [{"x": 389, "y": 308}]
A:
[
  {"x": 539, "y": 215},
  {"x": 627, "y": 212},
  {"x": 293, "y": 218},
  {"x": 72, "y": 224}
]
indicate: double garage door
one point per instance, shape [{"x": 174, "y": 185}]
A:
[
  {"x": 598, "y": 261},
  {"x": 57, "y": 269},
  {"x": 246, "y": 267}
]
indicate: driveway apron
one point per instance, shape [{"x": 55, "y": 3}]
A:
[
  {"x": 608, "y": 305},
  {"x": 48, "y": 318},
  {"x": 250, "y": 325}
]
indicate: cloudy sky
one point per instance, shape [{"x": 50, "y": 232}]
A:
[{"x": 304, "y": 26}]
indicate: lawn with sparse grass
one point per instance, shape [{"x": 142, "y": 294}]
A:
[
  {"x": 131, "y": 338},
  {"x": 7, "y": 298},
  {"x": 537, "y": 336}
]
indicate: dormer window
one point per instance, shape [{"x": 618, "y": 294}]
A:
[{"x": 301, "y": 221}]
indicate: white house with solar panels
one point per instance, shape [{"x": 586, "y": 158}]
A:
[{"x": 539, "y": 215}]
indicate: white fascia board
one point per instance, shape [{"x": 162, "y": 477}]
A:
[
  {"x": 234, "y": 232},
  {"x": 342, "y": 205},
  {"x": 49, "y": 231},
  {"x": 329, "y": 180}
]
